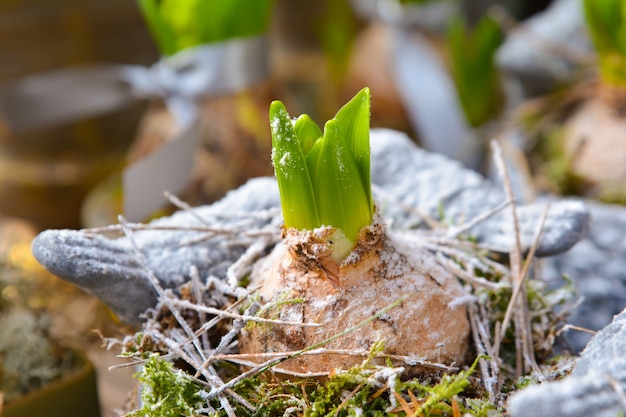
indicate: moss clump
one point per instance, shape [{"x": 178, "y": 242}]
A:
[
  {"x": 167, "y": 392},
  {"x": 30, "y": 359},
  {"x": 379, "y": 391},
  {"x": 366, "y": 389}
]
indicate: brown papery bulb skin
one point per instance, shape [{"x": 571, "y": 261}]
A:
[{"x": 430, "y": 325}]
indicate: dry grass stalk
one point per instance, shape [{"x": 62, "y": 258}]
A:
[
  {"x": 193, "y": 357},
  {"x": 568, "y": 327},
  {"x": 185, "y": 304},
  {"x": 243, "y": 230},
  {"x": 427, "y": 218},
  {"x": 241, "y": 357},
  {"x": 489, "y": 368},
  {"x": 519, "y": 303}
]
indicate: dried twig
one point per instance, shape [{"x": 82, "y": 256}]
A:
[
  {"x": 569, "y": 327},
  {"x": 517, "y": 289},
  {"x": 209, "y": 230},
  {"x": 163, "y": 298},
  {"x": 232, "y": 334},
  {"x": 519, "y": 304},
  {"x": 456, "y": 231},
  {"x": 243, "y": 265},
  {"x": 468, "y": 276},
  {"x": 489, "y": 368},
  {"x": 180, "y": 204},
  {"x": 426, "y": 218},
  {"x": 239, "y": 357},
  {"x": 225, "y": 314},
  {"x": 210, "y": 374},
  {"x": 463, "y": 251}
]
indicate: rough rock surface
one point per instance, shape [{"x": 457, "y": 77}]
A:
[
  {"x": 597, "y": 265},
  {"x": 407, "y": 177},
  {"x": 112, "y": 270},
  {"x": 401, "y": 173},
  {"x": 594, "y": 388}
]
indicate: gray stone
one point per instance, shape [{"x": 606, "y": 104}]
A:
[
  {"x": 111, "y": 270},
  {"x": 403, "y": 175},
  {"x": 540, "y": 53},
  {"x": 595, "y": 387},
  {"x": 597, "y": 265},
  {"x": 408, "y": 176}
]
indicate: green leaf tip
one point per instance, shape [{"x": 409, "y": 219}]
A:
[
  {"x": 324, "y": 177},
  {"x": 177, "y": 25},
  {"x": 296, "y": 189},
  {"x": 606, "y": 24},
  {"x": 473, "y": 67}
]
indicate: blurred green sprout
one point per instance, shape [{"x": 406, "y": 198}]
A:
[
  {"x": 324, "y": 178},
  {"x": 337, "y": 31},
  {"x": 606, "y": 21},
  {"x": 180, "y": 24},
  {"x": 473, "y": 67}
]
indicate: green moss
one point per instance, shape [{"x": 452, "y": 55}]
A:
[
  {"x": 366, "y": 389},
  {"x": 167, "y": 392},
  {"x": 29, "y": 358},
  {"x": 244, "y": 281},
  {"x": 375, "y": 390}
]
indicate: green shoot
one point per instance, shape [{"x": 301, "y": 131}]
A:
[
  {"x": 182, "y": 24},
  {"x": 324, "y": 178},
  {"x": 606, "y": 21},
  {"x": 474, "y": 70},
  {"x": 337, "y": 32}
]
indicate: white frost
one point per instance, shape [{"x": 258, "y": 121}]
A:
[{"x": 285, "y": 159}]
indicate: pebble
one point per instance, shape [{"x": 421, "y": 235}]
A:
[{"x": 595, "y": 386}]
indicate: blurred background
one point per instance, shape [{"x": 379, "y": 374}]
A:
[
  {"x": 72, "y": 121},
  {"x": 320, "y": 53}
]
